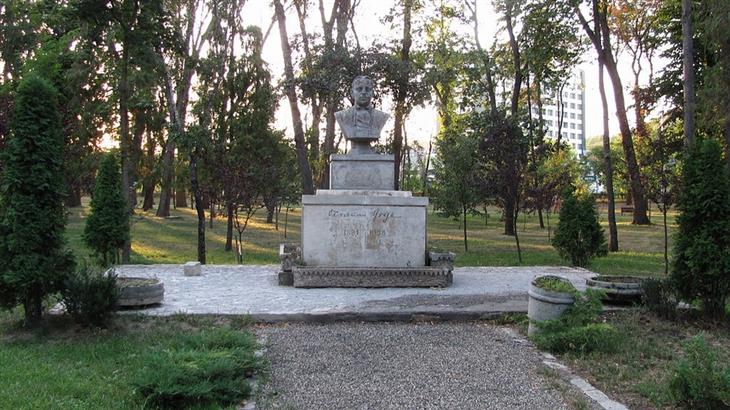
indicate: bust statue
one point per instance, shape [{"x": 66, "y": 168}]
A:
[{"x": 361, "y": 123}]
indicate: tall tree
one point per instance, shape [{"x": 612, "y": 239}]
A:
[
  {"x": 33, "y": 261},
  {"x": 608, "y": 164},
  {"x": 600, "y": 37},
  {"x": 291, "y": 93},
  {"x": 688, "y": 71}
]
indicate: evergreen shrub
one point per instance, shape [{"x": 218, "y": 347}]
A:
[
  {"x": 577, "y": 330},
  {"x": 579, "y": 236},
  {"x": 33, "y": 260},
  {"x": 698, "y": 382},
  {"x": 701, "y": 266},
  {"x": 107, "y": 227},
  {"x": 209, "y": 368},
  {"x": 90, "y": 296}
]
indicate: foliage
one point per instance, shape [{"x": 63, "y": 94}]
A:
[
  {"x": 107, "y": 227},
  {"x": 701, "y": 266},
  {"x": 579, "y": 235},
  {"x": 555, "y": 284},
  {"x": 698, "y": 382},
  {"x": 576, "y": 329},
  {"x": 659, "y": 297},
  {"x": 455, "y": 190},
  {"x": 33, "y": 261},
  {"x": 203, "y": 369},
  {"x": 90, "y": 296}
]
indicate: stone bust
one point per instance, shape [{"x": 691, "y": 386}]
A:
[{"x": 361, "y": 123}]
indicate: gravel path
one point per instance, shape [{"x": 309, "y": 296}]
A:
[{"x": 402, "y": 366}]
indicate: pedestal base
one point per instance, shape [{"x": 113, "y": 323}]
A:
[
  {"x": 361, "y": 171},
  {"x": 319, "y": 277}
]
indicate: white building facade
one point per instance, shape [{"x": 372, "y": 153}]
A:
[{"x": 573, "y": 112}]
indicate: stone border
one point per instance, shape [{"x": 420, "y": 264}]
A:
[{"x": 319, "y": 277}]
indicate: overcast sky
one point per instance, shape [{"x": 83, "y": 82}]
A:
[{"x": 422, "y": 123}]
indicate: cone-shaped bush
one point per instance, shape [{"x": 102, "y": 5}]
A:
[
  {"x": 33, "y": 259},
  {"x": 579, "y": 236},
  {"x": 701, "y": 266},
  {"x": 107, "y": 227}
]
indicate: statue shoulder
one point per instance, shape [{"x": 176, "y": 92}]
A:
[
  {"x": 380, "y": 117},
  {"x": 339, "y": 115}
]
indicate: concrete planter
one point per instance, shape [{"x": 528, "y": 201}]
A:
[
  {"x": 618, "y": 289},
  {"x": 546, "y": 304},
  {"x": 138, "y": 292}
]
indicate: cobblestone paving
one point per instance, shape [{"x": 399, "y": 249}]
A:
[{"x": 252, "y": 289}]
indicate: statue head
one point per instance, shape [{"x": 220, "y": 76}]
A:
[{"x": 362, "y": 91}]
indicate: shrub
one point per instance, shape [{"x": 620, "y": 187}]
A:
[
  {"x": 33, "y": 258},
  {"x": 91, "y": 296},
  {"x": 658, "y": 297},
  {"x": 701, "y": 268},
  {"x": 107, "y": 227},
  {"x": 203, "y": 369},
  {"x": 579, "y": 236},
  {"x": 576, "y": 329},
  {"x": 697, "y": 381}
]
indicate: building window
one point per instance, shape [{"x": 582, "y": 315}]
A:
[
  {"x": 572, "y": 115},
  {"x": 572, "y": 135},
  {"x": 572, "y": 125},
  {"x": 580, "y": 106},
  {"x": 580, "y": 116},
  {"x": 549, "y": 112},
  {"x": 572, "y": 105}
]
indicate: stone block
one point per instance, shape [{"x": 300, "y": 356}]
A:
[
  {"x": 346, "y": 230},
  {"x": 289, "y": 255},
  {"x": 286, "y": 278},
  {"x": 192, "y": 269},
  {"x": 321, "y": 277},
  {"x": 361, "y": 171},
  {"x": 442, "y": 259}
]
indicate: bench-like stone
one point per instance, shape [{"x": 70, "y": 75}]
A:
[
  {"x": 339, "y": 277},
  {"x": 192, "y": 269}
]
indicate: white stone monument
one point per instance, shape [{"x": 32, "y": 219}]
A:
[{"x": 361, "y": 232}]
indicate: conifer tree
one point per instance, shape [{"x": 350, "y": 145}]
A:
[
  {"x": 107, "y": 226},
  {"x": 33, "y": 258},
  {"x": 701, "y": 268},
  {"x": 579, "y": 236}
]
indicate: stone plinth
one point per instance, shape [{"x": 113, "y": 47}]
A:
[
  {"x": 319, "y": 277},
  {"x": 349, "y": 228},
  {"x": 192, "y": 269},
  {"x": 361, "y": 171}
]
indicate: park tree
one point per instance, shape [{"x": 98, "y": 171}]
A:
[
  {"x": 33, "y": 258},
  {"x": 579, "y": 236},
  {"x": 107, "y": 226},
  {"x": 701, "y": 266},
  {"x": 600, "y": 36},
  {"x": 455, "y": 192}
]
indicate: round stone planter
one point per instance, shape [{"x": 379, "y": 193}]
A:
[
  {"x": 618, "y": 289},
  {"x": 546, "y": 304},
  {"x": 139, "y": 292}
]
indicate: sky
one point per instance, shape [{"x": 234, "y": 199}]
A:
[{"x": 422, "y": 123}]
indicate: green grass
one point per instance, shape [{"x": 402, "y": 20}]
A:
[
  {"x": 638, "y": 373},
  {"x": 63, "y": 367},
  {"x": 156, "y": 240}
]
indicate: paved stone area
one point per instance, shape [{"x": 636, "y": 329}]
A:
[
  {"x": 454, "y": 365},
  {"x": 250, "y": 289}
]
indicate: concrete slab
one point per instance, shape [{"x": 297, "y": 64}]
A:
[{"x": 477, "y": 292}]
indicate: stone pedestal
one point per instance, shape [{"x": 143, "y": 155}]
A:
[
  {"x": 349, "y": 228},
  {"x": 362, "y": 171}
]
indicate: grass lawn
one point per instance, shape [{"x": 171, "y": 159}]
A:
[
  {"x": 60, "y": 366},
  {"x": 156, "y": 240},
  {"x": 638, "y": 374}
]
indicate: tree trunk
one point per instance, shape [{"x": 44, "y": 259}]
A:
[
  {"x": 401, "y": 94},
  {"x": 466, "y": 242},
  {"x": 688, "y": 72},
  {"x": 73, "y": 200},
  {"x": 290, "y": 90},
  {"x": 33, "y": 305},
  {"x": 168, "y": 157},
  {"x": 608, "y": 165},
  {"x": 637, "y": 189},
  {"x": 539, "y": 217},
  {"x": 199, "y": 206},
  {"x": 124, "y": 142},
  {"x": 229, "y": 226},
  {"x": 181, "y": 198},
  {"x": 148, "y": 191},
  {"x": 270, "y": 211},
  {"x": 509, "y": 222},
  {"x": 516, "y": 61}
]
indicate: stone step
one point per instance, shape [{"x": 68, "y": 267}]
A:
[{"x": 376, "y": 277}]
